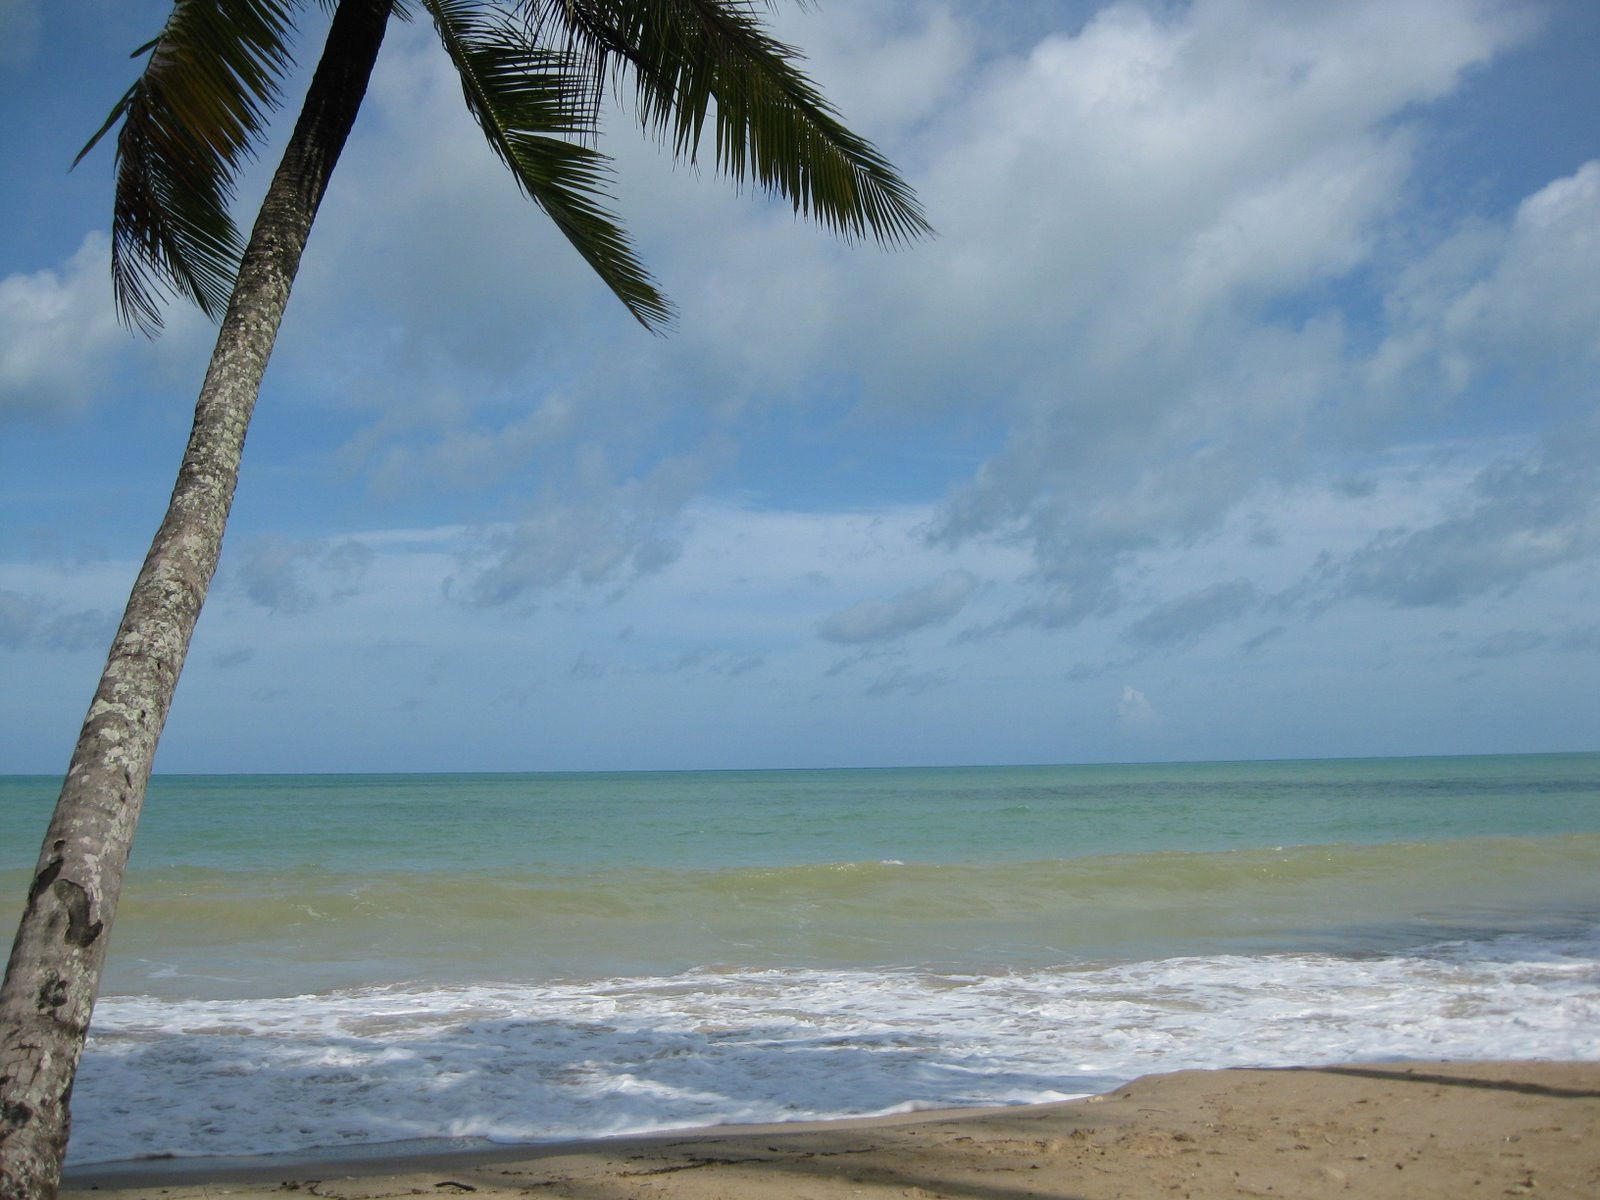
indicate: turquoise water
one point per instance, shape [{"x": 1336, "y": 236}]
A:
[
  {"x": 701, "y": 820},
  {"x": 608, "y": 953},
  {"x": 267, "y": 884}
]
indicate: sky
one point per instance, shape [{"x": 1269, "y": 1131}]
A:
[{"x": 1245, "y": 405}]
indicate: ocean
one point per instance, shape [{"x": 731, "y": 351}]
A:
[{"x": 310, "y": 964}]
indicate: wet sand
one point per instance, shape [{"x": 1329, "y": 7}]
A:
[{"x": 1414, "y": 1130}]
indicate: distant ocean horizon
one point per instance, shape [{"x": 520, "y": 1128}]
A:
[{"x": 331, "y": 961}]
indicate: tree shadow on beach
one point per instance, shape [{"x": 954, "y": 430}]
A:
[{"x": 1401, "y": 1074}]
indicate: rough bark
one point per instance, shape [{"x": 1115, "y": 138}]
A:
[{"x": 56, "y": 961}]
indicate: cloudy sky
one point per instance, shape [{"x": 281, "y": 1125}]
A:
[{"x": 1245, "y": 406}]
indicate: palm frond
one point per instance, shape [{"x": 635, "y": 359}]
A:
[
  {"x": 772, "y": 125},
  {"x": 535, "y": 111},
  {"x": 190, "y": 120}
]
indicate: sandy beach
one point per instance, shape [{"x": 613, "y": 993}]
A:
[{"x": 1417, "y": 1130}]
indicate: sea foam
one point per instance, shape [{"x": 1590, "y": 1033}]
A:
[{"x": 532, "y": 1062}]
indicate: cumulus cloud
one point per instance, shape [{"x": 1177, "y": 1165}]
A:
[
  {"x": 885, "y": 66},
  {"x": 1185, "y": 618},
  {"x": 461, "y": 264},
  {"x": 1542, "y": 294},
  {"x": 1207, "y": 170},
  {"x": 439, "y": 440},
  {"x": 1126, "y": 215},
  {"x": 1522, "y": 515},
  {"x": 1156, "y": 170},
  {"x": 1492, "y": 295},
  {"x": 1134, "y": 710},
  {"x": 916, "y": 608},
  {"x": 32, "y": 622},
  {"x": 1092, "y": 593},
  {"x": 595, "y": 530},
  {"x": 58, "y": 329},
  {"x": 286, "y": 576}
]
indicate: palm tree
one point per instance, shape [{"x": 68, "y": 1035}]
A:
[{"x": 535, "y": 74}]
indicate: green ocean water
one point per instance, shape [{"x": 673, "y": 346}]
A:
[{"x": 263, "y": 884}]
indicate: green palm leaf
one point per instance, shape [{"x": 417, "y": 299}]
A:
[
  {"x": 771, "y": 123},
  {"x": 535, "y": 110},
  {"x": 190, "y": 120}
]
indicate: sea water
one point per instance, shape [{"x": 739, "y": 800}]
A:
[{"x": 312, "y": 962}]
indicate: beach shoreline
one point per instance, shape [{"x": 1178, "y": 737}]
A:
[{"x": 1411, "y": 1129}]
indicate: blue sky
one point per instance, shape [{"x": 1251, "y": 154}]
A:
[{"x": 1245, "y": 406}]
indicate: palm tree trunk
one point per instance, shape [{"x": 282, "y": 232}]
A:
[{"x": 54, "y": 972}]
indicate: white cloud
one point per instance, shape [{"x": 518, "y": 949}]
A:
[
  {"x": 1541, "y": 296},
  {"x": 459, "y": 266},
  {"x": 1522, "y": 515},
  {"x": 1216, "y": 146},
  {"x": 1490, "y": 296},
  {"x": 886, "y": 67},
  {"x": 1142, "y": 226},
  {"x": 1134, "y": 710},
  {"x": 439, "y": 440},
  {"x": 595, "y": 529},
  {"x": 58, "y": 332},
  {"x": 1122, "y": 213}
]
